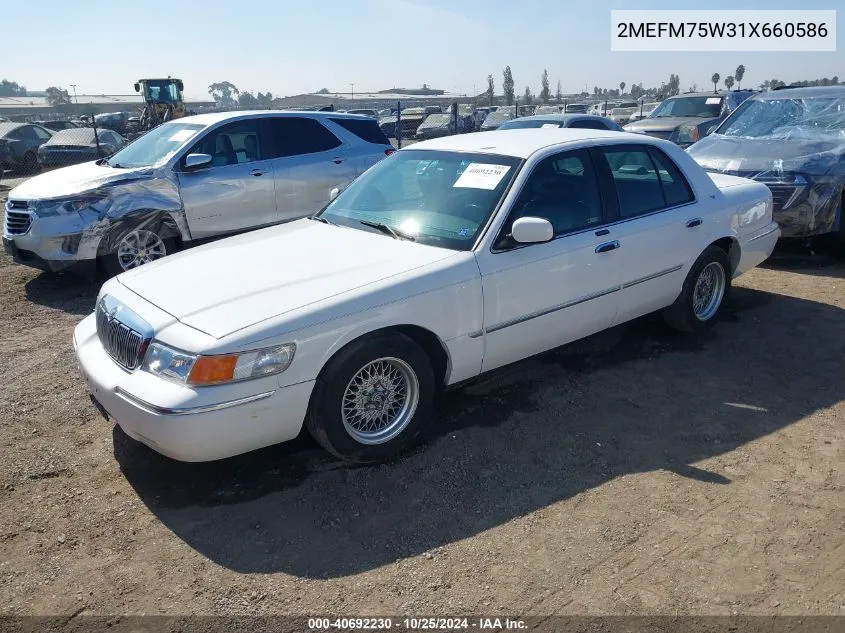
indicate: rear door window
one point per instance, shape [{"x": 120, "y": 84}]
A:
[
  {"x": 676, "y": 189},
  {"x": 295, "y": 136},
  {"x": 368, "y": 131},
  {"x": 586, "y": 124},
  {"x": 637, "y": 183}
]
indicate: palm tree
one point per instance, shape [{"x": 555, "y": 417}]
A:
[
  {"x": 729, "y": 82},
  {"x": 622, "y": 88},
  {"x": 739, "y": 74},
  {"x": 715, "y": 79}
]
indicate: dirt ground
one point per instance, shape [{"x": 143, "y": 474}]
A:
[{"x": 637, "y": 472}]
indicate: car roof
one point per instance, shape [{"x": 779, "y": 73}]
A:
[
  {"x": 802, "y": 93},
  {"x": 520, "y": 143},
  {"x": 211, "y": 118},
  {"x": 8, "y": 126}
]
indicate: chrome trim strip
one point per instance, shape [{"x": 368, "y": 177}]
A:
[
  {"x": 668, "y": 271},
  {"x": 156, "y": 410},
  {"x": 475, "y": 334},
  {"x": 544, "y": 312},
  {"x": 762, "y": 235}
]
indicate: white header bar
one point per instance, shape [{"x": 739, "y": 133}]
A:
[{"x": 723, "y": 30}]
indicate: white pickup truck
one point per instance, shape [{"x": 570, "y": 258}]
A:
[{"x": 446, "y": 260}]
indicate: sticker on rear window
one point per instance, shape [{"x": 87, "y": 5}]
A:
[
  {"x": 713, "y": 100},
  {"x": 481, "y": 176},
  {"x": 182, "y": 135}
]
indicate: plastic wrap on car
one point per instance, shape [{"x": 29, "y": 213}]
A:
[
  {"x": 147, "y": 200},
  {"x": 802, "y": 163}
]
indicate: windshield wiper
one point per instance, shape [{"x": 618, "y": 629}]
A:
[
  {"x": 389, "y": 230},
  {"x": 320, "y": 218}
]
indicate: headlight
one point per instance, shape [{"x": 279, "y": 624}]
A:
[
  {"x": 50, "y": 208},
  {"x": 688, "y": 134},
  {"x": 196, "y": 369}
]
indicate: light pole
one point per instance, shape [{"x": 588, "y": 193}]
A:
[
  {"x": 74, "y": 93},
  {"x": 352, "y": 94}
]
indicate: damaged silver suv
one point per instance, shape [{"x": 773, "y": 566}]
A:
[{"x": 188, "y": 180}]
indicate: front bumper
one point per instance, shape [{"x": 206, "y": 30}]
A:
[
  {"x": 186, "y": 424},
  {"x": 52, "y": 243}
]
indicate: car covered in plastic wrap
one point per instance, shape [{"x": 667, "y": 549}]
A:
[{"x": 793, "y": 141}]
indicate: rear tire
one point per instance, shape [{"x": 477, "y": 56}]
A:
[
  {"x": 372, "y": 399},
  {"x": 704, "y": 292}
]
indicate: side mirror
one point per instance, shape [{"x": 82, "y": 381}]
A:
[
  {"x": 137, "y": 87},
  {"x": 334, "y": 193},
  {"x": 195, "y": 161},
  {"x": 532, "y": 230}
]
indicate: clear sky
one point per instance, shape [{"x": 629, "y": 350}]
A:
[{"x": 289, "y": 47}]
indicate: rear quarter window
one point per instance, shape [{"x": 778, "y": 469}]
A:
[{"x": 368, "y": 131}]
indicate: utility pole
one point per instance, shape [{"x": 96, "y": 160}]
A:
[
  {"x": 74, "y": 93},
  {"x": 352, "y": 94}
]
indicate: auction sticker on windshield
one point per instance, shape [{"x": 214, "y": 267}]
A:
[
  {"x": 713, "y": 100},
  {"x": 481, "y": 176}
]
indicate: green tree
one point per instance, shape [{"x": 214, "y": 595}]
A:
[
  {"x": 224, "y": 93},
  {"x": 323, "y": 91},
  {"x": 674, "y": 85},
  {"x": 264, "y": 100},
  {"x": 729, "y": 82},
  {"x": 558, "y": 92},
  {"x": 545, "y": 93},
  {"x": 57, "y": 97},
  {"x": 11, "y": 89},
  {"x": 247, "y": 100},
  {"x": 622, "y": 87},
  {"x": 739, "y": 73},
  {"x": 491, "y": 90},
  {"x": 507, "y": 85},
  {"x": 715, "y": 80},
  {"x": 527, "y": 97}
]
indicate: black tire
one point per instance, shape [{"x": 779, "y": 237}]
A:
[
  {"x": 325, "y": 420},
  {"x": 681, "y": 315},
  {"x": 110, "y": 261}
]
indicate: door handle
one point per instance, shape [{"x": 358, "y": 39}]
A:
[
  {"x": 337, "y": 161},
  {"x": 257, "y": 172},
  {"x": 607, "y": 247},
  {"x": 694, "y": 222}
]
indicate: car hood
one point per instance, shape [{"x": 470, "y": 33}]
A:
[
  {"x": 664, "y": 124},
  {"x": 747, "y": 155},
  {"x": 74, "y": 180},
  {"x": 234, "y": 283}
]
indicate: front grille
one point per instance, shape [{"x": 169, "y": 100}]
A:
[
  {"x": 17, "y": 204},
  {"x": 17, "y": 222},
  {"x": 123, "y": 344}
]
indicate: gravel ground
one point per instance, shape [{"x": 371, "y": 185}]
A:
[{"x": 636, "y": 472}]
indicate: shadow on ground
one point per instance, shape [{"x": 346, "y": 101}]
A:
[
  {"x": 70, "y": 292},
  {"x": 636, "y": 398}
]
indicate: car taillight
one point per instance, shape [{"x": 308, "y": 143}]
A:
[{"x": 388, "y": 152}]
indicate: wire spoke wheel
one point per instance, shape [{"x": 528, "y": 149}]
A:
[
  {"x": 708, "y": 292},
  {"x": 380, "y": 400},
  {"x": 139, "y": 247}
]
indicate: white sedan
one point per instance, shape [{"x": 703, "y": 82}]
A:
[{"x": 446, "y": 260}]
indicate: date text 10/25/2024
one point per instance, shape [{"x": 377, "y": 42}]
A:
[{"x": 416, "y": 624}]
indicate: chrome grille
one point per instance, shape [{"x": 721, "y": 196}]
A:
[
  {"x": 781, "y": 194},
  {"x": 123, "y": 344},
  {"x": 664, "y": 135},
  {"x": 17, "y": 204},
  {"x": 17, "y": 222}
]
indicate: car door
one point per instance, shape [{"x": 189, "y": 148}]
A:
[
  {"x": 236, "y": 191},
  {"x": 539, "y": 296},
  {"x": 657, "y": 227},
  {"x": 309, "y": 162}
]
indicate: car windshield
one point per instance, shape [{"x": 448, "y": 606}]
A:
[
  {"x": 156, "y": 146},
  {"x": 436, "y": 120},
  {"x": 498, "y": 116},
  {"x": 437, "y": 198},
  {"x": 703, "y": 107},
  {"x": 782, "y": 119}
]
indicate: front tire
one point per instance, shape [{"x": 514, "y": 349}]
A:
[
  {"x": 136, "y": 247},
  {"x": 705, "y": 291},
  {"x": 372, "y": 399}
]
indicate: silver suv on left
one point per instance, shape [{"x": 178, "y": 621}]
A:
[{"x": 188, "y": 180}]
